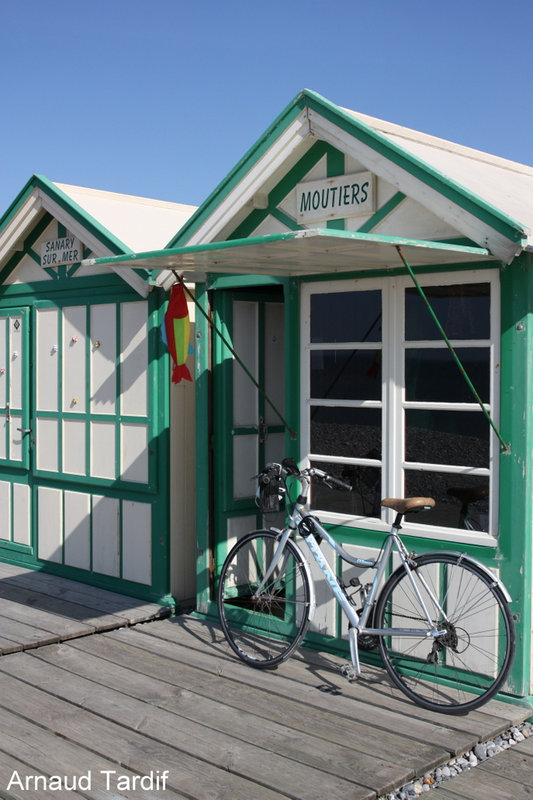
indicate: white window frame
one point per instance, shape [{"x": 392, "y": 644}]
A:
[{"x": 393, "y": 403}]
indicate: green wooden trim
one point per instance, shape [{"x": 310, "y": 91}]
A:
[
  {"x": 383, "y": 212},
  {"x": 508, "y": 227},
  {"x": 240, "y": 281},
  {"x": 335, "y": 166},
  {"x": 292, "y": 365},
  {"x": 284, "y": 218},
  {"x": 27, "y": 245},
  {"x": 280, "y": 191},
  {"x": 465, "y": 199},
  {"x": 516, "y": 475}
]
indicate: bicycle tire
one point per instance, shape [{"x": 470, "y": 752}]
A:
[
  {"x": 465, "y": 667},
  {"x": 264, "y": 630}
]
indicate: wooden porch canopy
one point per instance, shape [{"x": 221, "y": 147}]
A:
[{"x": 294, "y": 253}]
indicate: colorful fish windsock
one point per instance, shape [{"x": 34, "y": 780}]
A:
[{"x": 177, "y": 331}]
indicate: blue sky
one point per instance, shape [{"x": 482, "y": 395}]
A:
[{"x": 160, "y": 98}]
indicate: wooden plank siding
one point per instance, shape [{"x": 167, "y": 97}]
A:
[{"x": 141, "y": 699}]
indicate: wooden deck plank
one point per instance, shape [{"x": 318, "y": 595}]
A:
[
  {"x": 8, "y": 766},
  {"x": 229, "y": 753},
  {"x": 406, "y": 755},
  {"x": 304, "y": 744},
  {"x": 17, "y": 635},
  {"x": 101, "y": 600},
  {"x": 374, "y": 687},
  {"x": 325, "y": 688},
  {"x": 41, "y": 753},
  {"x": 14, "y": 606},
  {"x": 133, "y": 750},
  {"x": 73, "y": 612},
  {"x": 170, "y": 695}
]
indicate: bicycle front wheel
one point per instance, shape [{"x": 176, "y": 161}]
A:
[
  {"x": 263, "y": 627},
  {"x": 465, "y": 666}
]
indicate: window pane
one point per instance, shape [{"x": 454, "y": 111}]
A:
[
  {"x": 350, "y": 432},
  {"x": 346, "y": 374},
  {"x": 433, "y": 375},
  {"x": 463, "y": 311},
  {"x": 363, "y": 500},
  {"x": 461, "y": 500},
  {"x": 346, "y": 317},
  {"x": 447, "y": 437}
]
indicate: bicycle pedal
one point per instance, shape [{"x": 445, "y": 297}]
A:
[{"x": 349, "y": 672}]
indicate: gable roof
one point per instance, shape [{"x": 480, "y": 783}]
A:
[
  {"x": 504, "y": 184},
  {"x": 457, "y": 184},
  {"x": 107, "y": 223},
  {"x": 141, "y": 223}
]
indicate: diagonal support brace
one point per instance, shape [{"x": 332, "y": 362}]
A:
[{"x": 505, "y": 447}]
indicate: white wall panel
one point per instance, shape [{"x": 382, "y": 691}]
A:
[
  {"x": 4, "y": 433},
  {"x": 245, "y": 455},
  {"x": 74, "y": 461},
  {"x": 136, "y": 542},
  {"x": 77, "y": 530},
  {"x": 134, "y": 358},
  {"x": 5, "y": 505},
  {"x": 3, "y": 361},
  {"x": 46, "y": 443},
  {"x": 50, "y": 519},
  {"x": 103, "y": 450},
  {"x": 103, "y": 359},
  {"x": 74, "y": 341},
  {"x": 47, "y": 359},
  {"x": 16, "y": 436},
  {"x": 21, "y": 513},
  {"x": 16, "y": 361},
  {"x": 106, "y": 535},
  {"x": 274, "y": 360},
  {"x": 239, "y": 527},
  {"x": 134, "y": 452},
  {"x": 245, "y": 321}
]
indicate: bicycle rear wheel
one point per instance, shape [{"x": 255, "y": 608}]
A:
[
  {"x": 468, "y": 664},
  {"x": 264, "y": 628}
]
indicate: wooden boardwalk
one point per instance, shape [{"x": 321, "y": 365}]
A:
[{"x": 163, "y": 710}]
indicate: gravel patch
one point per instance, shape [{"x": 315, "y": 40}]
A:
[{"x": 481, "y": 752}]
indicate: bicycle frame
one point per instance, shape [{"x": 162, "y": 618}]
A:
[{"x": 357, "y": 623}]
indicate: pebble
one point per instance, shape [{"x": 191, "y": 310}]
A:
[{"x": 456, "y": 766}]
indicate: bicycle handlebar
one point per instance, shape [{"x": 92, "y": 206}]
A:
[{"x": 290, "y": 467}]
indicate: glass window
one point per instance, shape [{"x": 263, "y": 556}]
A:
[
  {"x": 346, "y": 374},
  {"x": 347, "y": 432},
  {"x": 447, "y": 437},
  {"x": 346, "y": 317},
  {"x": 432, "y": 375},
  {"x": 387, "y": 408},
  {"x": 462, "y": 309}
]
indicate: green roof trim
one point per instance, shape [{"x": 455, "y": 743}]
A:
[
  {"x": 73, "y": 209},
  {"x": 458, "y": 194},
  {"x": 362, "y": 131}
]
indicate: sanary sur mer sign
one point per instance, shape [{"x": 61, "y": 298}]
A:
[
  {"x": 58, "y": 252},
  {"x": 335, "y": 198}
]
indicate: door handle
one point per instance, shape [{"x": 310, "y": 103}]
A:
[
  {"x": 24, "y": 430},
  {"x": 263, "y": 430}
]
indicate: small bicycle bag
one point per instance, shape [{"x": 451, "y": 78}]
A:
[{"x": 269, "y": 490}]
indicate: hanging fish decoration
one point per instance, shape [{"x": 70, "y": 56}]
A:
[{"x": 177, "y": 332}]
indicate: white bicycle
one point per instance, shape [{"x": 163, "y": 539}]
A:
[{"x": 441, "y": 620}]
